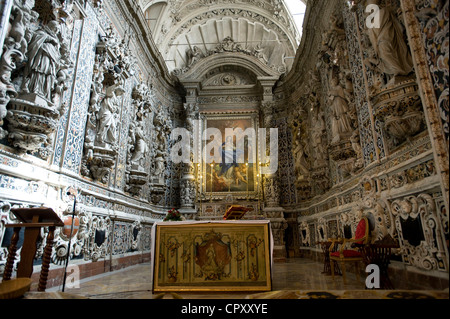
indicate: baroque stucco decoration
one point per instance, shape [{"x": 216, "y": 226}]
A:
[
  {"x": 113, "y": 65},
  {"x": 187, "y": 30},
  {"x": 139, "y": 141},
  {"x": 35, "y": 98},
  {"x": 402, "y": 185},
  {"x": 394, "y": 92},
  {"x": 425, "y": 248}
]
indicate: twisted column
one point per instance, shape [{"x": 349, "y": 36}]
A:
[
  {"x": 46, "y": 259},
  {"x": 11, "y": 254}
]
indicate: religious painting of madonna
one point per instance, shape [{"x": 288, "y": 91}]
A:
[
  {"x": 236, "y": 170},
  {"x": 212, "y": 257}
]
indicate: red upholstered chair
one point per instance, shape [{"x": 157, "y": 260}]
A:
[{"x": 347, "y": 254}]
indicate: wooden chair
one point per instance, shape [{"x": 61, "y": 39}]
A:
[
  {"x": 345, "y": 255},
  {"x": 379, "y": 253},
  {"x": 325, "y": 245}
]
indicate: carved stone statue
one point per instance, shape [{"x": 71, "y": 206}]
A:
[
  {"x": 40, "y": 58},
  {"x": 389, "y": 43},
  {"x": 140, "y": 145},
  {"x": 191, "y": 114},
  {"x": 259, "y": 53},
  {"x": 159, "y": 148},
  {"x": 159, "y": 161},
  {"x": 341, "y": 122},
  {"x": 194, "y": 55},
  {"x": 301, "y": 164},
  {"x": 43, "y": 61},
  {"x": 356, "y": 145},
  {"x": 318, "y": 131},
  {"x": 108, "y": 114}
]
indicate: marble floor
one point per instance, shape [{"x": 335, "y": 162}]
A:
[
  {"x": 135, "y": 283},
  {"x": 298, "y": 278}
]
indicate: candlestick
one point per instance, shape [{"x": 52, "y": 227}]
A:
[
  {"x": 262, "y": 184},
  {"x": 248, "y": 177},
  {"x": 210, "y": 197},
  {"x": 197, "y": 181},
  {"x": 200, "y": 186},
  {"x": 257, "y": 192}
]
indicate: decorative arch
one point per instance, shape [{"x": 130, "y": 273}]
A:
[
  {"x": 251, "y": 37},
  {"x": 253, "y": 80},
  {"x": 206, "y": 65}
]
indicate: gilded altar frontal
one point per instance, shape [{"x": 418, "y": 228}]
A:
[
  {"x": 225, "y": 146},
  {"x": 212, "y": 257}
]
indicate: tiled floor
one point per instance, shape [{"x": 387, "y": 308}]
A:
[{"x": 135, "y": 282}]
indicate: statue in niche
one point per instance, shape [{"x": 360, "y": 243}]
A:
[
  {"x": 340, "y": 119},
  {"x": 138, "y": 139},
  {"x": 43, "y": 61},
  {"x": 389, "y": 44},
  {"x": 108, "y": 114},
  {"x": 97, "y": 84},
  {"x": 301, "y": 163},
  {"x": 160, "y": 145},
  {"x": 318, "y": 131},
  {"x": 356, "y": 145},
  {"x": 160, "y": 153}
]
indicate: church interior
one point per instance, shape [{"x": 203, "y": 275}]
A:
[{"x": 274, "y": 149}]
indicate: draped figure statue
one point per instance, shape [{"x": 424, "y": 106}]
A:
[
  {"x": 389, "y": 43},
  {"x": 341, "y": 122},
  {"x": 43, "y": 61}
]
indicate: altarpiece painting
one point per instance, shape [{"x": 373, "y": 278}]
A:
[{"x": 237, "y": 171}]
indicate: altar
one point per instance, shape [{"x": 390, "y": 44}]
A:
[{"x": 231, "y": 255}]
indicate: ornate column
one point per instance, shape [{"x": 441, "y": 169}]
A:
[
  {"x": 272, "y": 210},
  {"x": 427, "y": 93},
  {"x": 9, "y": 54},
  {"x": 187, "y": 181}
]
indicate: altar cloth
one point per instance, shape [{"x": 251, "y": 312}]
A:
[{"x": 222, "y": 255}]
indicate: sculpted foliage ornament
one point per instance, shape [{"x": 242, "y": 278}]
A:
[{"x": 226, "y": 45}]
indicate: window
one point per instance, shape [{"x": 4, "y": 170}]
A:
[
  {"x": 297, "y": 9},
  {"x": 153, "y": 14}
]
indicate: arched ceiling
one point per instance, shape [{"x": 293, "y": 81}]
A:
[{"x": 187, "y": 31}]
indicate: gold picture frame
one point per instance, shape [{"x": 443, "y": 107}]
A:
[
  {"x": 212, "y": 256},
  {"x": 239, "y": 179}
]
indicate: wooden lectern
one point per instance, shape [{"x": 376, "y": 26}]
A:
[
  {"x": 235, "y": 212},
  {"x": 32, "y": 219}
]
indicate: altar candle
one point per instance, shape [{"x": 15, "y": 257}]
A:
[
  {"x": 211, "y": 181},
  {"x": 248, "y": 177}
]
